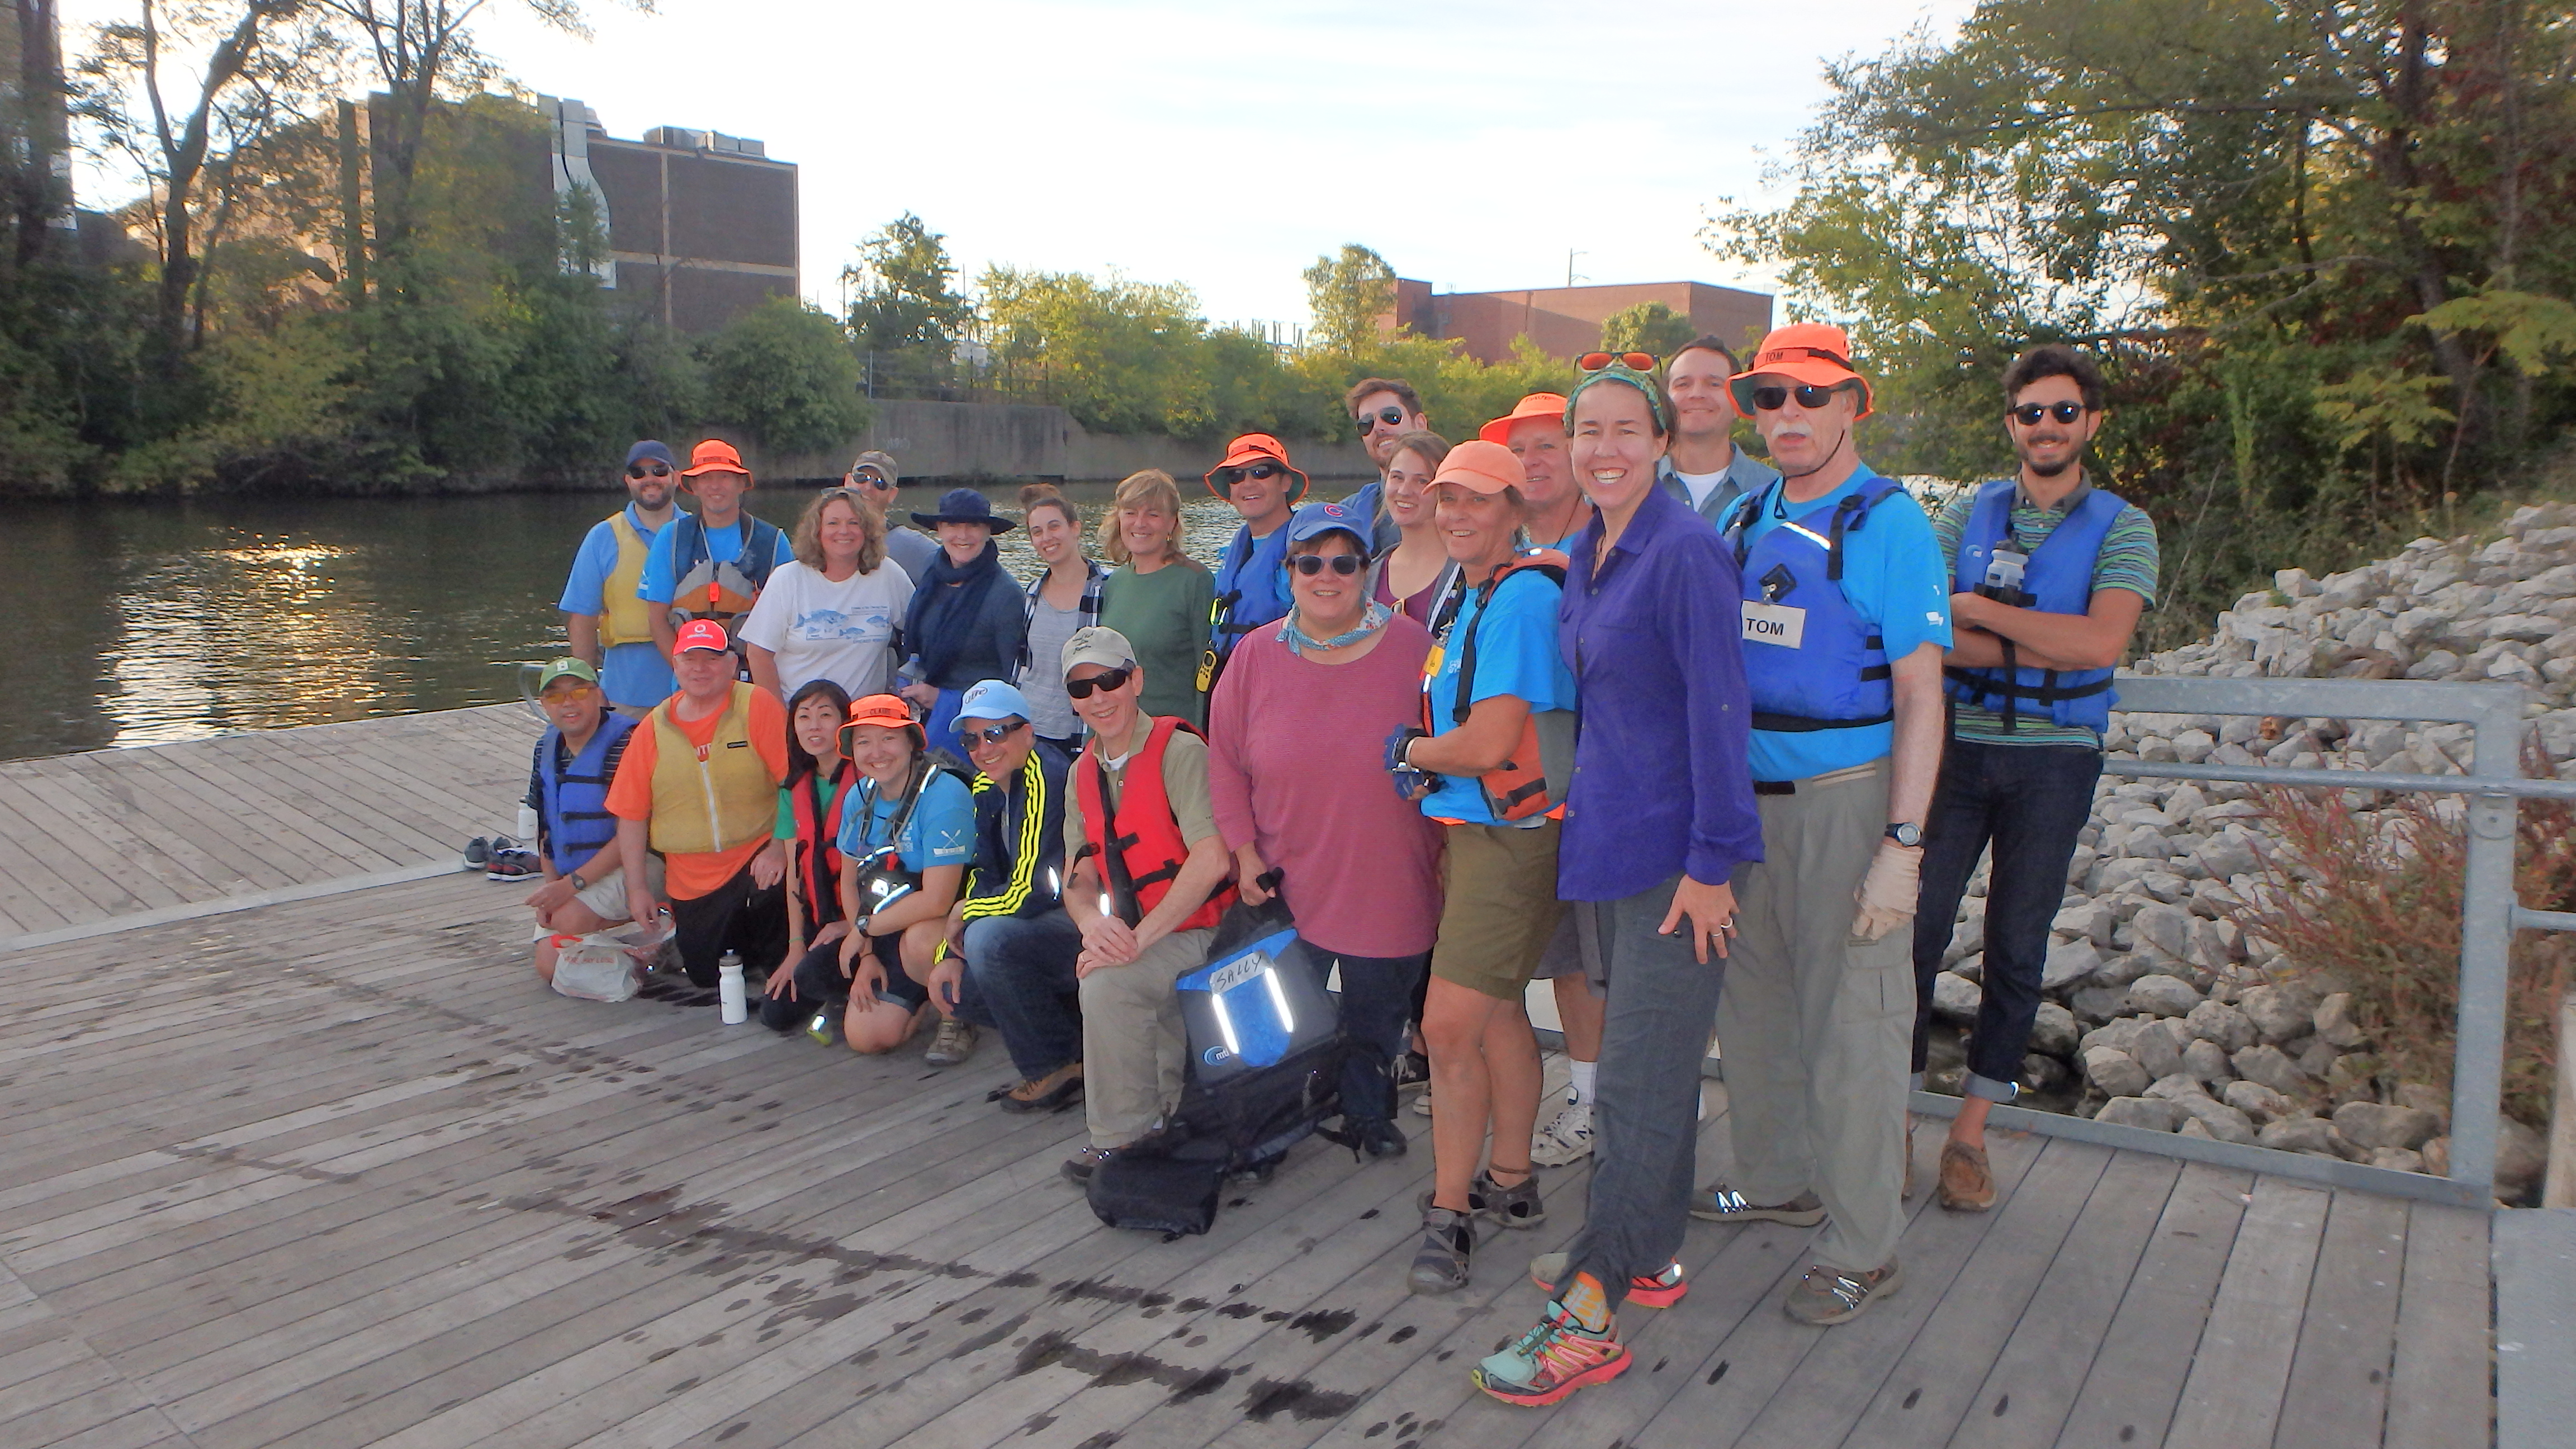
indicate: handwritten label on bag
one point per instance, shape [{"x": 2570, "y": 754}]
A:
[{"x": 1779, "y": 624}]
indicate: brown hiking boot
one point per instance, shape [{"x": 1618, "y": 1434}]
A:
[
  {"x": 1967, "y": 1184},
  {"x": 1053, "y": 1092}
]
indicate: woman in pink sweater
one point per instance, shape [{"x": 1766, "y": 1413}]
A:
[{"x": 1296, "y": 768}]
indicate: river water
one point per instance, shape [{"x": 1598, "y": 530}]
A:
[{"x": 144, "y": 622}]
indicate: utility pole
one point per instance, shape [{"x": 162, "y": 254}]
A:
[{"x": 1570, "y": 255}]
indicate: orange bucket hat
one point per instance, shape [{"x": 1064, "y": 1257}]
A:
[
  {"x": 1548, "y": 405},
  {"x": 1480, "y": 466},
  {"x": 715, "y": 455},
  {"x": 1253, "y": 448},
  {"x": 1816, "y": 353}
]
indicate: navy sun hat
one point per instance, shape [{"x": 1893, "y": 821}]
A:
[
  {"x": 965, "y": 505},
  {"x": 1317, "y": 519},
  {"x": 649, "y": 451}
]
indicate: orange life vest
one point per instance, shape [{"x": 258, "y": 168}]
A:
[{"x": 1148, "y": 837}]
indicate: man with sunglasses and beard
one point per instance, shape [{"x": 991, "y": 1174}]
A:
[
  {"x": 1845, "y": 617},
  {"x": 1383, "y": 409},
  {"x": 2048, "y": 577},
  {"x": 608, "y": 624},
  {"x": 1251, "y": 575}
]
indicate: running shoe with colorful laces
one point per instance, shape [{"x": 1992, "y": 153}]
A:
[{"x": 1547, "y": 1364}]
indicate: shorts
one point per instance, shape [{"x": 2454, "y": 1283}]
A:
[
  {"x": 898, "y": 989},
  {"x": 1499, "y": 910},
  {"x": 607, "y": 898},
  {"x": 1564, "y": 953}
]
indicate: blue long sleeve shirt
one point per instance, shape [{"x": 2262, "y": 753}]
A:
[{"x": 1655, "y": 638}]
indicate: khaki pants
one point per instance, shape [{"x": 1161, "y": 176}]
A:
[
  {"x": 1815, "y": 1025},
  {"x": 1133, "y": 1045}
]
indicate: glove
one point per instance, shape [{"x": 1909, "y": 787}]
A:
[
  {"x": 1888, "y": 892},
  {"x": 1407, "y": 779}
]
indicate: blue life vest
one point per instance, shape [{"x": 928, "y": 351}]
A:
[
  {"x": 1251, "y": 588},
  {"x": 1837, "y": 675},
  {"x": 576, "y": 795},
  {"x": 2057, "y": 578}
]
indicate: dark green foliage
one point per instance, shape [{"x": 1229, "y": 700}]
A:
[{"x": 784, "y": 371}]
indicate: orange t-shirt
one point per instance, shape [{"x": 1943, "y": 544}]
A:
[{"x": 688, "y": 875}]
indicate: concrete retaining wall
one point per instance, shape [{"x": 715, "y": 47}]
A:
[{"x": 939, "y": 441}]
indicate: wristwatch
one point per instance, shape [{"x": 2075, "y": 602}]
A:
[
  {"x": 1906, "y": 833},
  {"x": 577, "y": 882}
]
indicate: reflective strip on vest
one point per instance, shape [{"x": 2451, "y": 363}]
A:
[
  {"x": 626, "y": 619},
  {"x": 710, "y": 802}
]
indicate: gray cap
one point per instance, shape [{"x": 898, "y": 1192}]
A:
[
  {"x": 1098, "y": 644},
  {"x": 882, "y": 462}
]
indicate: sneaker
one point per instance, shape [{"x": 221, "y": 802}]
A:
[
  {"x": 1718, "y": 1203},
  {"x": 1827, "y": 1296},
  {"x": 954, "y": 1042},
  {"x": 1967, "y": 1183},
  {"x": 1663, "y": 1290},
  {"x": 513, "y": 863},
  {"x": 1079, "y": 1167},
  {"x": 1422, "y": 1104},
  {"x": 1053, "y": 1092},
  {"x": 478, "y": 853},
  {"x": 1515, "y": 1207},
  {"x": 1257, "y": 1171},
  {"x": 1412, "y": 1072},
  {"x": 1551, "y": 1361},
  {"x": 825, "y": 1026},
  {"x": 1378, "y": 1137},
  {"x": 1448, "y": 1251},
  {"x": 1567, "y": 1137}
]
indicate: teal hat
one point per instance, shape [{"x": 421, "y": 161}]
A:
[{"x": 1617, "y": 371}]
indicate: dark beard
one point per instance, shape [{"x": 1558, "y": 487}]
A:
[{"x": 2039, "y": 472}]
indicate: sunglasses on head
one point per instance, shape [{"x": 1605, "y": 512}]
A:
[
  {"x": 1256, "y": 472},
  {"x": 1311, "y": 564},
  {"x": 651, "y": 470},
  {"x": 1386, "y": 417},
  {"x": 1595, "y": 361},
  {"x": 1772, "y": 399},
  {"x": 2029, "y": 414},
  {"x": 1107, "y": 681},
  {"x": 990, "y": 734}
]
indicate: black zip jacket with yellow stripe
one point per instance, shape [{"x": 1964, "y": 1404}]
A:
[{"x": 1019, "y": 840}]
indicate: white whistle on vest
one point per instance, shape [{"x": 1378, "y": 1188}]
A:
[{"x": 729, "y": 990}]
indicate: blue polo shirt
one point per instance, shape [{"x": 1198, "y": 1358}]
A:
[
  {"x": 1656, "y": 639},
  {"x": 631, "y": 674},
  {"x": 1894, "y": 576}
]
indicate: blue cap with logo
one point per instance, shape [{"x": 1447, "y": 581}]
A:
[
  {"x": 992, "y": 699},
  {"x": 649, "y": 451},
  {"x": 1317, "y": 519}
]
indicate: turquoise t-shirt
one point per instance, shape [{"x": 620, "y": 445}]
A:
[
  {"x": 1894, "y": 576},
  {"x": 941, "y": 831},
  {"x": 1516, "y": 654}
]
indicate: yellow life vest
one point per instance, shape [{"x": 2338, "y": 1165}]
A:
[
  {"x": 627, "y": 620},
  {"x": 711, "y": 800}
]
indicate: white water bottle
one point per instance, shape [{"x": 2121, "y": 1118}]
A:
[
  {"x": 729, "y": 988},
  {"x": 527, "y": 825}
]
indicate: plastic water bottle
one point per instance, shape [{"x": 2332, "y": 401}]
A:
[
  {"x": 729, "y": 988},
  {"x": 527, "y": 825}
]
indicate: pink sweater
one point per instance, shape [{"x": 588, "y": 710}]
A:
[{"x": 1297, "y": 768}]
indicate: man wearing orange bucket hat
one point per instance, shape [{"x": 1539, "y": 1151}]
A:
[
  {"x": 1846, "y": 610},
  {"x": 711, "y": 563},
  {"x": 1252, "y": 573}
]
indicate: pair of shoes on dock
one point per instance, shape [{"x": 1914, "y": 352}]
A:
[{"x": 501, "y": 858}]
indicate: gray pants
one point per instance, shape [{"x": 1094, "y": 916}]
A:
[
  {"x": 1816, "y": 1024},
  {"x": 1645, "y": 1112},
  {"x": 1133, "y": 1046}
]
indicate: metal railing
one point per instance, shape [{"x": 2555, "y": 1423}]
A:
[{"x": 2490, "y": 913}]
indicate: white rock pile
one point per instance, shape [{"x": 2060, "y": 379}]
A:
[{"x": 2168, "y": 1014}]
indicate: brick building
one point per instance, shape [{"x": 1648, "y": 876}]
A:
[
  {"x": 1566, "y": 322},
  {"x": 701, "y": 225}
]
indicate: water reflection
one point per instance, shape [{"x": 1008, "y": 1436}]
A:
[{"x": 145, "y": 622}]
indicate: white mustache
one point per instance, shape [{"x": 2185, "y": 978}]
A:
[{"x": 1786, "y": 434}]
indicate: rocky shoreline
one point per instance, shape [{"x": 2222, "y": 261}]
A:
[{"x": 2157, "y": 1002}]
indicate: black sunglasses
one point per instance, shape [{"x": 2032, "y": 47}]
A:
[
  {"x": 2029, "y": 414},
  {"x": 1107, "y": 680},
  {"x": 658, "y": 470},
  {"x": 1386, "y": 416},
  {"x": 1772, "y": 399},
  {"x": 870, "y": 479},
  {"x": 991, "y": 734},
  {"x": 1256, "y": 472},
  {"x": 1311, "y": 564}
]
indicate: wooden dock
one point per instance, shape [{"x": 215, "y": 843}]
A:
[{"x": 336, "y": 1170}]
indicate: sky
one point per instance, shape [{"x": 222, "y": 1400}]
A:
[{"x": 1227, "y": 146}]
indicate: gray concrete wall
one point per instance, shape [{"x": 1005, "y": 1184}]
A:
[{"x": 936, "y": 440}]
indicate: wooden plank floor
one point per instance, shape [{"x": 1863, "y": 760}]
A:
[
  {"x": 92, "y": 837},
  {"x": 338, "y": 1172}
]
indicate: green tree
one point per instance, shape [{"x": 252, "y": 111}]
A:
[
  {"x": 1122, "y": 356},
  {"x": 1347, "y": 294},
  {"x": 905, "y": 310},
  {"x": 784, "y": 371},
  {"x": 1649, "y": 327}
]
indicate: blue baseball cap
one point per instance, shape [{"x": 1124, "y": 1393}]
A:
[
  {"x": 1317, "y": 519},
  {"x": 992, "y": 699},
  {"x": 649, "y": 451}
]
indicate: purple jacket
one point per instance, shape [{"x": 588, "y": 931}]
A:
[{"x": 1655, "y": 640}]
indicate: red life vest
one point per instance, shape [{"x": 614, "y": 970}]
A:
[
  {"x": 1148, "y": 842},
  {"x": 817, "y": 848}
]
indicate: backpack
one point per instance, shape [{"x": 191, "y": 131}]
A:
[{"x": 1264, "y": 1073}]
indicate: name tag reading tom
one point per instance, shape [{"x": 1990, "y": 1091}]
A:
[{"x": 1780, "y": 624}]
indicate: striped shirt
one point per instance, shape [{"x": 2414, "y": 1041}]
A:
[{"x": 2129, "y": 560}]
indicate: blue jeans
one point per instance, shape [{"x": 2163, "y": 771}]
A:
[
  {"x": 1020, "y": 969},
  {"x": 1376, "y": 1007},
  {"x": 2029, "y": 802}
]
